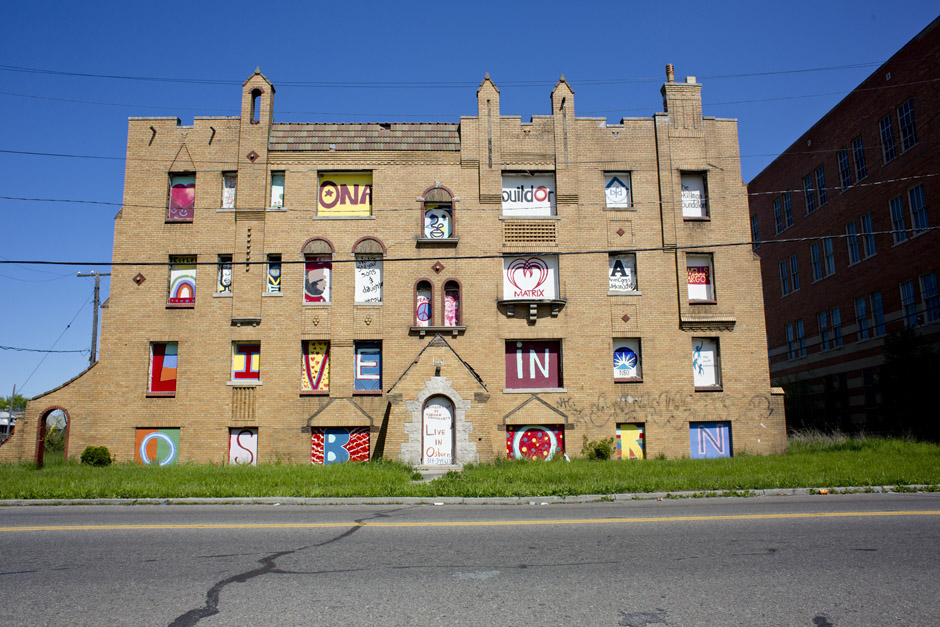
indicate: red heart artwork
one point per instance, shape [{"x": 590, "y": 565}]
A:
[
  {"x": 527, "y": 274},
  {"x": 182, "y": 198}
]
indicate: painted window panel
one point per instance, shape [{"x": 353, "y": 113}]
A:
[
  {"x": 345, "y": 194},
  {"x": 182, "y": 198},
  {"x": 700, "y": 277},
  {"x": 438, "y": 221},
  {"x": 182, "y": 281},
  {"x": 243, "y": 446},
  {"x": 528, "y": 195},
  {"x": 451, "y": 304},
  {"x": 246, "y": 361},
  {"x": 621, "y": 270},
  {"x": 627, "y": 364},
  {"x": 694, "y": 199},
  {"x": 277, "y": 189},
  {"x": 315, "y": 366},
  {"x": 229, "y": 185},
  {"x": 533, "y": 364},
  {"x": 528, "y": 278},
  {"x": 224, "y": 278},
  {"x": 438, "y": 432},
  {"x": 705, "y": 363},
  {"x": 424, "y": 312},
  {"x": 710, "y": 439},
  {"x": 631, "y": 441},
  {"x": 163, "y": 365},
  {"x": 368, "y": 367},
  {"x": 617, "y": 190},
  {"x": 158, "y": 447},
  {"x": 368, "y": 278},
  {"x": 273, "y": 283},
  {"x": 539, "y": 442},
  {"x": 335, "y": 445},
  {"x": 318, "y": 278}
]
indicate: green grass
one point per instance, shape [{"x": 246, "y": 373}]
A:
[{"x": 811, "y": 462}]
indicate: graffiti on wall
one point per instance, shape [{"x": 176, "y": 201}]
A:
[
  {"x": 157, "y": 446},
  {"x": 315, "y": 366},
  {"x": 345, "y": 194},
  {"x": 541, "y": 442},
  {"x": 630, "y": 441},
  {"x": 334, "y": 445},
  {"x": 243, "y": 446}
]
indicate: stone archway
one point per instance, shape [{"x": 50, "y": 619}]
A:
[{"x": 464, "y": 450}]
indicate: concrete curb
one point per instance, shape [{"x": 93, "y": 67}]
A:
[{"x": 496, "y": 500}]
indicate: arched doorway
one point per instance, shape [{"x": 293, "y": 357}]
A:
[
  {"x": 437, "y": 432},
  {"x": 52, "y": 436}
]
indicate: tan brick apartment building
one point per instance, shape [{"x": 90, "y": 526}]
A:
[
  {"x": 863, "y": 181},
  {"x": 434, "y": 293}
]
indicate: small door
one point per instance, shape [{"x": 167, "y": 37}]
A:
[
  {"x": 335, "y": 445},
  {"x": 710, "y": 439},
  {"x": 540, "y": 442},
  {"x": 631, "y": 442},
  {"x": 243, "y": 446},
  {"x": 438, "y": 432}
]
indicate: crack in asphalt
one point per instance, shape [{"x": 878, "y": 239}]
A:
[{"x": 268, "y": 566}]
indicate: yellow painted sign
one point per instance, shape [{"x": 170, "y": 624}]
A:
[
  {"x": 345, "y": 194},
  {"x": 630, "y": 441}
]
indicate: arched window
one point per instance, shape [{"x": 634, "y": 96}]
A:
[
  {"x": 369, "y": 252},
  {"x": 437, "y": 215},
  {"x": 255, "y": 106},
  {"x": 318, "y": 270},
  {"x": 452, "y": 317},
  {"x": 424, "y": 304}
]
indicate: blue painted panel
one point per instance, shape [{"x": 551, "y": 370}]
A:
[{"x": 710, "y": 439}]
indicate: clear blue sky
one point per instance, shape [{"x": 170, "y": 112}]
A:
[{"x": 613, "y": 55}]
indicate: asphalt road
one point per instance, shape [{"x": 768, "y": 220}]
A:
[{"x": 819, "y": 561}]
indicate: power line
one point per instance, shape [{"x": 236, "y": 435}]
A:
[
  {"x": 56, "y": 340},
  {"x": 40, "y": 350}
]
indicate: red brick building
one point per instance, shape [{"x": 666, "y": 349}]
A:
[{"x": 852, "y": 205}]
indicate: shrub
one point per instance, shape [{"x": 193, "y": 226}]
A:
[
  {"x": 603, "y": 449},
  {"x": 97, "y": 456}
]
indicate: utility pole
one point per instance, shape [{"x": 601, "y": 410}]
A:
[{"x": 94, "y": 318}]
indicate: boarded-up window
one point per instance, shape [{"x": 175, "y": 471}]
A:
[
  {"x": 694, "y": 195},
  {"x": 528, "y": 194},
  {"x": 706, "y": 367},
  {"x": 529, "y": 278},
  {"x": 243, "y": 446},
  {"x": 627, "y": 365},
  {"x": 631, "y": 441},
  {"x": 163, "y": 364},
  {"x": 533, "y": 364},
  {"x": 273, "y": 285},
  {"x": 246, "y": 361},
  {"x": 368, "y": 278},
  {"x": 182, "y": 201},
  {"x": 182, "y": 292},
  {"x": 452, "y": 304},
  {"x": 315, "y": 366},
  {"x": 424, "y": 306},
  {"x": 368, "y": 367},
  {"x": 345, "y": 194},
  {"x": 229, "y": 182},
  {"x": 318, "y": 273},
  {"x": 710, "y": 439},
  {"x": 157, "y": 447},
  {"x": 438, "y": 221},
  {"x": 621, "y": 272},
  {"x": 617, "y": 190},
  {"x": 700, "y": 277},
  {"x": 541, "y": 442},
  {"x": 335, "y": 445},
  {"x": 224, "y": 284}
]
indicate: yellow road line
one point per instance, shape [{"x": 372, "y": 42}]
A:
[{"x": 467, "y": 523}]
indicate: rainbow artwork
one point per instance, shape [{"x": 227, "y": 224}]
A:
[{"x": 182, "y": 281}]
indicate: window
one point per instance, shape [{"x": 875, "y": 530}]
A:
[
  {"x": 845, "y": 173},
  {"x": 851, "y": 229},
  {"x": 906, "y": 125},
  {"x": 778, "y": 215},
  {"x": 533, "y": 364},
  {"x": 368, "y": 278},
  {"x": 791, "y": 343},
  {"x": 787, "y": 210},
  {"x": 182, "y": 292},
  {"x": 182, "y": 202},
  {"x": 277, "y": 189},
  {"x": 835, "y": 323},
  {"x": 162, "y": 376},
  {"x": 755, "y": 233},
  {"x": 621, "y": 269},
  {"x": 318, "y": 270},
  {"x": 908, "y": 303},
  {"x": 229, "y": 183},
  {"x": 708, "y": 440},
  {"x": 694, "y": 195},
  {"x": 868, "y": 239},
  {"x": 822, "y": 322},
  {"x": 794, "y": 273},
  {"x": 888, "y": 150},
  {"x": 706, "y": 370},
  {"x": 617, "y": 190},
  {"x": 898, "y": 225},
  {"x": 801, "y": 338},
  {"x": 784, "y": 278},
  {"x": 246, "y": 361},
  {"x": 627, "y": 360},
  {"x": 808, "y": 195},
  {"x": 700, "y": 278},
  {"x": 273, "y": 284},
  {"x": 877, "y": 314},
  {"x": 315, "y": 367},
  {"x": 858, "y": 153},
  {"x": 918, "y": 200},
  {"x": 821, "y": 191},
  {"x": 527, "y": 278},
  {"x": 816, "y": 260},
  {"x": 437, "y": 220},
  {"x": 830, "y": 257},
  {"x": 929, "y": 296},
  {"x": 424, "y": 304},
  {"x": 452, "y": 317},
  {"x": 528, "y": 195},
  {"x": 224, "y": 282},
  {"x": 861, "y": 319},
  {"x": 368, "y": 370},
  {"x": 345, "y": 194}
]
